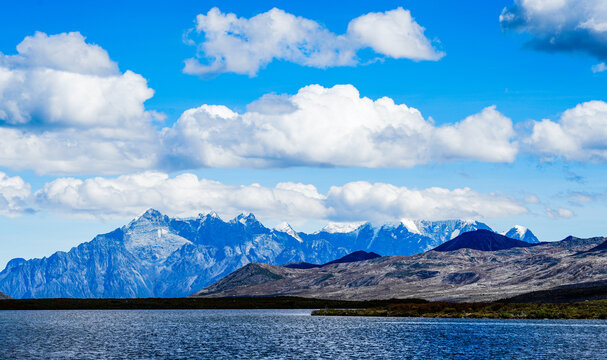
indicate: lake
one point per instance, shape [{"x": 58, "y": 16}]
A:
[{"x": 287, "y": 334}]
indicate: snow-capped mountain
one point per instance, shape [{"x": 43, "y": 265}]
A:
[
  {"x": 519, "y": 232},
  {"x": 158, "y": 256}
]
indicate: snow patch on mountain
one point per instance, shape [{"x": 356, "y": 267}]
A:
[
  {"x": 519, "y": 232},
  {"x": 286, "y": 228},
  {"x": 211, "y": 214},
  {"x": 411, "y": 226},
  {"x": 341, "y": 227},
  {"x": 150, "y": 239}
]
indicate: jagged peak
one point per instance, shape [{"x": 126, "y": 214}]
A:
[
  {"x": 286, "y": 228},
  {"x": 149, "y": 215},
  {"x": 151, "y": 212},
  {"x": 245, "y": 219},
  {"x": 209, "y": 215}
]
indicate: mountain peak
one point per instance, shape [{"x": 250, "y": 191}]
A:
[
  {"x": 483, "y": 240},
  {"x": 356, "y": 256},
  {"x": 521, "y": 229},
  {"x": 211, "y": 214},
  {"x": 151, "y": 214},
  {"x": 519, "y": 232},
  {"x": 286, "y": 228},
  {"x": 245, "y": 219}
]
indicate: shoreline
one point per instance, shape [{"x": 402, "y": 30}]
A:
[
  {"x": 591, "y": 310},
  {"x": 277, "y": 302}
]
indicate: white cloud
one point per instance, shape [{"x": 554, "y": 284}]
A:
[
  {"x": 580, "y": 134},
  {"x": 599, "y": 67},
  {"x": 559, "y": 213},
  {"x": 67, "y": 52},
  {"x": 14, "y": 195},
  {"x": 363, "y": 200},
  {"x": 62, "y": 80},
  {"x": 332, "y": 127},
  {"x": 243, "y": 46},
  {"x": 186, "y": 195},
  {"x": 532, "y": 199},
  {"x": 74, "y": 151},
  {"x": 394, "y": 34},
  {"x": 561, "y": 25},
  {"x": 65, "y": 107},
  {"x": 585, "y": 197}
]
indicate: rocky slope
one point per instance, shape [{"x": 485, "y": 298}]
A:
[
  {"x": 159, "y": 256},
  {"x": 460, "y": 275},
  {"x": 4, "y": 296}
]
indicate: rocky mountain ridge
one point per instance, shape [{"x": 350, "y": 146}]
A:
[
  {"x": 159, "y": 256},
  {"x": 456, "y": 274}
]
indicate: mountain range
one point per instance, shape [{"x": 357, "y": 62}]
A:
[
  {"x": 159, "y": 256},
  {"x": 475, "y": 266}
]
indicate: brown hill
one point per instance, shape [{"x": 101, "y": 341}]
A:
[{"x": 459, "y": 275}]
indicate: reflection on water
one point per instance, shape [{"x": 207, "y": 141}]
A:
[{"x": 287, "y": 334}]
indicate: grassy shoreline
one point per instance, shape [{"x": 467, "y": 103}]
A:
[
  {"x": 596, "y": 309},
  {"x": 277, "y": 302}
]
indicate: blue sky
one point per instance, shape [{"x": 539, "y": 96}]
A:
[{"x": 555, "y": 190}]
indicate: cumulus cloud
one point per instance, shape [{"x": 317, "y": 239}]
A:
[
  {"x": 332, "y": 127},
  {"x": 580, "y": 134},
  {"x": 187, "y": 195},
  {"x": 65, "y": 107},
  {"x": 561, "y": 25},
  {"x": 15, "y": 195},
  {"x": 243, "y": 46}
]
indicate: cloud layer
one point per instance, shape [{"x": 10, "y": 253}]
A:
[
  {"x": 579, "y": 135},
  {"x": 561, "y": 25},
  {"x": 243, "y": 46},
  {"x": 186, "y": 195},
  {"x": 332, "y": 127},
  {"x": 64, "y": 106}
]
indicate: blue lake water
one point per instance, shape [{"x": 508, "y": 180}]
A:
[{"x": 287, "y": 334}]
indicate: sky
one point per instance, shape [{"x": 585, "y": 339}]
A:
[{"x": 307, "y": 112}]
